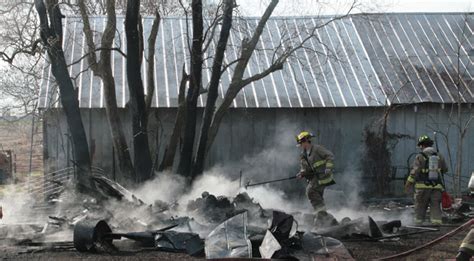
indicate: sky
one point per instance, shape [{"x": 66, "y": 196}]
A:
[{"x": 328, "y": 7}]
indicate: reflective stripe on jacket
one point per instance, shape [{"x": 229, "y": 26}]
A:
[
  {"x": 321, "y": 159},
  {"x": 419, "y": 171}
]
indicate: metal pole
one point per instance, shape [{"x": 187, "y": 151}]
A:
[
  {"x": 31, "y": 145},
  {"x": 270, "y": 181},
  {"x": 31, "y": 150}
]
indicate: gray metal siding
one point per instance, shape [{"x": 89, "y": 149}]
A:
[{"x": 260, "y": 142}]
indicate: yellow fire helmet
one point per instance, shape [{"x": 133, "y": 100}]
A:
[
  {"x": 304, "y": 136},
  {"x": 425, "y": 140}
]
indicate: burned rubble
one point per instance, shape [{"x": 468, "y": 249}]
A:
[{"x": 208, "y": 226}]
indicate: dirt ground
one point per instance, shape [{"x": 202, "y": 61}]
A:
[
  {"x": 361, "y": 250},
  {"x": 34, "y": 253},
  {"x": 444, "y": 250}
]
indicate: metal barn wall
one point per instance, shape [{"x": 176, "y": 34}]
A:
[{"x": 260, "y": 142}]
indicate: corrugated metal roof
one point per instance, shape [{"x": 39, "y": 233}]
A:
[{"x": 370, "y": 60}]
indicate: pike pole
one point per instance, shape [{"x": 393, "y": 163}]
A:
[{"x": 267, "y": 182}]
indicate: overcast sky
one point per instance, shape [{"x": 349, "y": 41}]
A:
[{"x": 314, "y": 7}]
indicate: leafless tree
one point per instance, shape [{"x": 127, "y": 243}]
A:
[
  {"x": 20, "y": 54},
  {"x": 51, "y": 37},
  {"x": 142, "y": 157},
  {"x": 103, "y": 69},
  {"x": 213, "y": 86},
  {"x": 460, "y": 114},
  {"x": 191, "y": 160},
  {"x": 192, "y": 163},
  {"x": 462, "y": 90}
]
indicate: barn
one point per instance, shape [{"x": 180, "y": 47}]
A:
[{"x": 416, "y": 68}]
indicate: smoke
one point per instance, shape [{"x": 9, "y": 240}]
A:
[
  {"x": 343, "y": 200},
  {"x": 165, "y": 187},
  {"x": 279, "y": 158},
  {"x": 170, "y": 188},
  {"x": 16, "y": 206},
  {"x": 19, "y": 220}
]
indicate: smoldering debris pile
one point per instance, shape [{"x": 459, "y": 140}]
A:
[
  {"x": 211, "y": 226},
  {"x": 211, "y": 209}
]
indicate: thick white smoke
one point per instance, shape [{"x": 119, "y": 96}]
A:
[{"x": 279, "y": 159}]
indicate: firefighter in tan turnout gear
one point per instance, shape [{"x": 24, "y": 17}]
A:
[
  {"x": 426, "y": 177},
  {"x": 466, "y": 250},
  {"x": 317, "y": 168}
]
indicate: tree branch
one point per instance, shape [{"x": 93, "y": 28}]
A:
[
  {"x": 274, "y": 67},
  {"x": 98, "y": 49},
  {"x": 91, "y": 55},
  {"x": 10, "y": 58}
]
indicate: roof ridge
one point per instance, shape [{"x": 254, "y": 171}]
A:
[{"x": 300, "y": 17}]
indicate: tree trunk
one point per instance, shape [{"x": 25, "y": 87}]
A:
[
  {"x": 216, "y": 121},
  {"x": 52, "y": 39},
  {"x": 213, "y": 88},
  {"x": 103, "y": 70},
  {"x": 116, "y": 130},
  {"x": 151, "y": 61},
  {"x": 150, "y": 79},
  {"x": 458, "y": 170},
  {"x": 457, "y": 173},
  {"x": 142, "y": 158},
  {"x": 185, "y": 162},
  {"x": 170, "y": 150}
]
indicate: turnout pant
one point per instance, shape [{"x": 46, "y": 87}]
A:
[
  {"x": 315, "y": 192},
  {"x": 425, "y": 198},
  {"x": 467, "y": 244}
]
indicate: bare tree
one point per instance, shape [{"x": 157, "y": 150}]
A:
[
  {"x": 52, "y": 36},
  {"x": 20, "y": 50},
  {"x": 192, "y": 166},
  {"x": 462, "y": 90},
  {"x": 185, "y": 162},
  {"x": 171, "y": 147},
  {"x": 460, "y": 115},
  {"x": 213, "y": 87},
  {"x": 191, "y": 162},
  {"x": 142, "y": 158},
  {"x": 286, "y": 49},
  {"x": 103, "y": 69}
]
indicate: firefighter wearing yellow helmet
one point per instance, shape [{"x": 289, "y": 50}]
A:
[
  {"x": 425, "y": 176},
  {"x": 317, "y": 164}
]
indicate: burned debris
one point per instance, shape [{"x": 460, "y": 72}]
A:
[
  {"x": 96, "y": 236},
  {"x": 282, "y": 240},
  {"x": 209, "y": 226},
  {"x": 125, "y": 95}
]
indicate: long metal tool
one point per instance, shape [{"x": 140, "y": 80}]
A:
[{"x": 270, "y": 181}]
